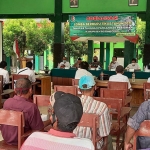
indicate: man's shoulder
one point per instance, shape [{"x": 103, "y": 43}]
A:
[
  {"x": 3, "y": 71},
  {"x": 112, "y": 76},
  {"x": 91, "y": 99},
  {"x": 47, "y": 138},
  {"x": 29, "y": 105}
]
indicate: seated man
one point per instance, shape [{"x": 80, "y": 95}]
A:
[
  {"x": 20, "y": 103},
  {"x": 95, "y": 63},
  {"x": 119, "y": 77},
  {"x": 28, "y": 71},
  {"x": 133, "y": 65},
  {"x": 64, "y": 63},
  {"x": 113, "y": 63},
  {"x": 134, "y": 122},
  {"x": 77, "y": 64},
  {"x": 87, "y": 87},
  {"x": 83, "y": 70},
  {"x": 68, "y": 112},
  {"x": 4, "y": 72}
]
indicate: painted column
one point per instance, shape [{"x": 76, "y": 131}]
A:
[
  {"x": 36, "y": 63},
  {"x": 58, "y": 34},
  {"x": 1, "y": 39},
  {"x": 129, "y": 52},
  {"x": 147, "y": 33},
  {"x": 90, "y": 51},
  {"x": 102, "y": 53},
  {"x": 107, "y": 55},
  {"x": 146, "y": 56}
]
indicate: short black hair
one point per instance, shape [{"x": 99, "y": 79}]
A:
[
  {"x": 79, "y": 58},
  {"x": 22, "y": 86},
  {"x": 119, "y": 69},
  {"x": 84, "y": 65},
  {"x": 29, "y": 64},
  {"x": 3, "y": 64},
  {"x": 133, "y": 59},
  {"x": 115, "y": 57},
  {"x": 68, "y": 128}
]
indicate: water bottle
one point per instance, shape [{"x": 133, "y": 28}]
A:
[
  {"x": 102, "y": 76},
  {"x": 133, "y": 77}
]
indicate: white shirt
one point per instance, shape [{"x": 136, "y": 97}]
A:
[
  {"x": 67, "y": 64},
  {"x": 29, "y": 72},
  {"x": 114, "y": 65},
  {"x": 120, "y": 78},
  {"x": 5, "y": 75},
  {"x": 82, "y": 72},
  {"x": 148, "y": 79},
  {"x": 131, "y": 66}
]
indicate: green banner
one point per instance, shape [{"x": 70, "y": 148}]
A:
[{"x": 91, "y": 25}]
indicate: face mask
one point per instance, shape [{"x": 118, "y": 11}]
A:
[
  {"x": 95, "y": 60},
  {"x": 64, "y": 61}
]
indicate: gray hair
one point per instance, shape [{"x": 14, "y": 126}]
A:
[{"x": 22, "y": 86}]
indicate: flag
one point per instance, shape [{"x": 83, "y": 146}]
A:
[
  {"x": 133, "y": 39},
  {"x": 16, "y": 48}
]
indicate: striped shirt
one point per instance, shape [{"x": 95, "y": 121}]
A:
[
  {"x": 51, "y": 141},
  {"x": 92, "y": 106}
]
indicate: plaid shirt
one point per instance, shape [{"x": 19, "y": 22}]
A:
[
  {"x": 134, "y": 122},
  {"x": 92, "y": 106}
]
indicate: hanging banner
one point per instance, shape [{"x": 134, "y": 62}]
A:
[{"x": 95, "y": 25}]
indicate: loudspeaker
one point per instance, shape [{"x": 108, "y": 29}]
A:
[{"x": 146, "y": 54}]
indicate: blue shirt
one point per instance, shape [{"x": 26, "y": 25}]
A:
[{"x": 134, "y": 122}]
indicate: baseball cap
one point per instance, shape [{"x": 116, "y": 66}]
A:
[
  {"x": 68, "y": 109},
  {"x": 55, "y": 96},
  {"x": 86, "y": 82}
]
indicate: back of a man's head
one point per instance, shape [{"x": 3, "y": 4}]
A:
[
  {"x": 86, "y": 83},
  {"x": 84, "y": 65},
  {"x": 22, "y": 86},
  {"x": 68, "y": 110},
  {"x": 119, "y": 69},
  {"x": 3, "y": 64},
  {"x": 29, "y": 64},
  {"x": 134, "y": 60}
]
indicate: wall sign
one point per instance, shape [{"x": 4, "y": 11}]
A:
[{"x": 97, "y": 25}]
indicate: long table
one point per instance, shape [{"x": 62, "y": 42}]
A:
[
  {"x": 70, "y": 73},
  {"x": 65, "y": 76},
  {"x": 44, "y": 88}
]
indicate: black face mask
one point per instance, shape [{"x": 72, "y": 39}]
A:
[{"x": 95, "y": 60}]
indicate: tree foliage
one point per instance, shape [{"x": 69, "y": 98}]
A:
[
  {"x": 73, "y": 48},
  {"x": 29, "y": 34},
  {"x": 140, "y": 30}
]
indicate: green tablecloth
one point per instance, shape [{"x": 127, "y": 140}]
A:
[{"x": 70, "y": 73}]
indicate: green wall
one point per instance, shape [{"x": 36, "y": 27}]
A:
[
  {"x": 85, "y": 6},
  {"x": 103, "y": 6},
  {"x": 26, "y": 7}
]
